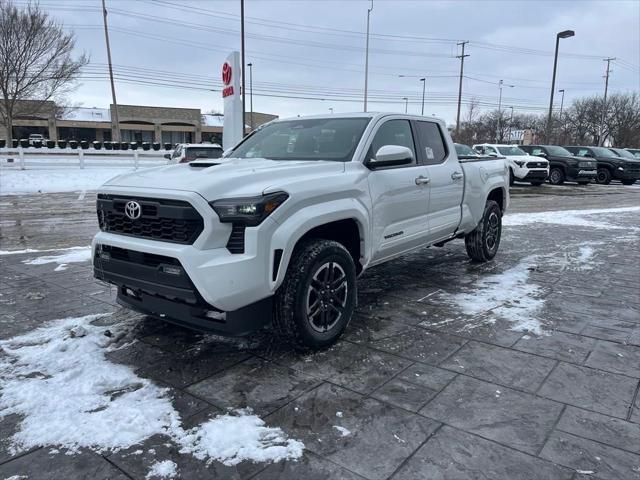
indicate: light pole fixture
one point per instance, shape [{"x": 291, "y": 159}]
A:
[
  {"x": 366, "y": 59},
  {"x": 424, "y": 87},
  {"x": 250, "y": 65},
  {"x": 498, "y": 131},
  {"x": 563, "y": 34},
  {"x": 406, "y": 104}
]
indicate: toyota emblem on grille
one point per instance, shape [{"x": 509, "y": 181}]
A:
[{"x": 133, "y": 210}]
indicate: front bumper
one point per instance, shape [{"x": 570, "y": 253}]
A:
[
  {"x": 581, "y": 174},
  {"x": 536, "y": 175},
  {"x": 626, "y": 174},
  {"x": 160, "y": 286}
]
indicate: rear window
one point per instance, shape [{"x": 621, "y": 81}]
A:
[{"x": 196, "y": 153}]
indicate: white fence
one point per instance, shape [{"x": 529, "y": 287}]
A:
[{"x": 24, "y": 158}]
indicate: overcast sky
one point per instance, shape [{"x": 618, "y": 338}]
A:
[{"x": 315, "y": 49}]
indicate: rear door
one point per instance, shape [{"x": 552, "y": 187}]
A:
[
  {"x": 446, "y": 180},
  {"x": 399, "y": 195}
]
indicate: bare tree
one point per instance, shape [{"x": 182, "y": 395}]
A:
[{"x": 36, "y": 61}]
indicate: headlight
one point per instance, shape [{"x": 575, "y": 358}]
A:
[
  {"x": 249, "y": 211},
  {"x": 520, "y": 163},
  {"x": 621, "y": 169}
]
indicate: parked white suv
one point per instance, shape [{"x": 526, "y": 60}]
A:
[
  {"x": 188, "y": 152},
  {"x": 522, "y": 167},
  {"x": 278, "y": 230}
]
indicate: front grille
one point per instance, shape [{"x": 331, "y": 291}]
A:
[
  {"x": 587, "y": 164},
  {"x": 166, "y": 220},
  {"x": 536, "y": 165},
  {"x": 235, "y": 244},
  {"x": 132, "y": 256}
]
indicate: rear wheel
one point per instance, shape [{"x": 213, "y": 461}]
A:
[
  {"x": 556, "y": 176},
  {"x": 316, "y": 300},
  {"x": 603, "y": 177},
  {"x": 628, "y": 182},
  {"x": 482, "y": 243}
]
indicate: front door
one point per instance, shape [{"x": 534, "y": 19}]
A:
[
  {"x": 446, "y": 181},
  {"x": 400, "y": 195}
]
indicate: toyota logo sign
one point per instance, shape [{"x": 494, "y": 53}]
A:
[
  {"x": 133, "y": 210},
  {"x": 226, "y": 73}
]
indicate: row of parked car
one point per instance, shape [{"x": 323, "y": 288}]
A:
[
  {"x": 84, "y": 144},
  {"x": 556, "y": 164}
]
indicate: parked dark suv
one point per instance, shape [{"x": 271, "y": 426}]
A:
[
  {"x": 610, "y": 165},
  {"x": 563, "y": 165}
]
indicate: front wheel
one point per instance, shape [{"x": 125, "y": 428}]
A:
[
  {"x": 628, "y": 182},
  {"x": 482, "y": 243},
  {"x": 603, "y": 177},
  {"x": 317, "y": 298}
]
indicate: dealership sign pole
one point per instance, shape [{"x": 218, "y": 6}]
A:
[{"x": 232, "y": 129}]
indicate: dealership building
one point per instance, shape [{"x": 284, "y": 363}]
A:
[{"x": 138, "y": 123}]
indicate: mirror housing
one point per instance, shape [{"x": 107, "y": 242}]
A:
[
  {"x": 391, "y": 156},
  {"x": 167, "y": 156},
  {"x": 493, "y": 154},
  {"x": 542, "y": 154}
]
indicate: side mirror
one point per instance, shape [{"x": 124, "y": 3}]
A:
[
  {"x": 167, "y": 156},
  {"x": 493, "y": 154},
  {"x": 391, "y": 156},
  {"x": 541, "y": 154}
]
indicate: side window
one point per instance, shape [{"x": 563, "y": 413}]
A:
[
  {"x": 177, "y": 152},
  {"x": 479, "y": 149},
  {"x": 536, "y": 151},
  {"x": 582, "y": 152},
  {"x": 434, "y": 150},
  {"x": 393, "y": 132}
]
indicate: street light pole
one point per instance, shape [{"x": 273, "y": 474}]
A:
[
  {"x": 498, "y": 130},
  {"x": 250, "y": 65},
  {"x": 510, "y": 125},
  {"x": 561, "y": 105},
  {"x": 406, "y": 104},
  {"x": 563, "y": 34},
  {"x": 366, "y": 59},
  {"x": 244, "y": 122},
  {"x": 424, "y": 86},
  {"x": 115, "y": 121},
  {"x": 604, "y": 103}
]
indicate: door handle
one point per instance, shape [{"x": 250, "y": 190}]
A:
[
  {"x": 422, "y": 180},
  {"x": 456, "y": 176}
]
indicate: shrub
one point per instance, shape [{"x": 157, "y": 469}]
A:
[
  {"x": 107, "y": 145},
  {"x": 97, "y": 145},
  {"x": 3, "y": 143},
  {"x": 51, "y": 144},
  {"x": 156, "y": 146},
  {"x": 14, "y": 143},
  {"x": 146, "y": 146},
  {"x": 62, "y": 144},
  {"x": 37, "y": 143},
  {"x": 134, "y": 145},
  {"x": 124, "y": 146},
  {"x": 24, "y": 142},
  {"x": 84, "y": 144},
  {"x": 73, "y": 144},
  {"x": 167, "y": 146}
]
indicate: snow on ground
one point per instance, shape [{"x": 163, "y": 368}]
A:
[
  {"x": 72, "y": 255},
  {"x": 343, "y": 431},
  {"x": 508, "y": 295},
  {"x": 69, "y": 395},
  {"x": 164, "y": 469},
  {"x": 573, "y": 218},
  {"x": 14, "y": 182}
]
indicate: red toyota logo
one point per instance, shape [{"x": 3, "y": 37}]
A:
[{"x": 226, "y": 73}]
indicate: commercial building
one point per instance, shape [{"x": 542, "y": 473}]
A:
[{"x": 137, "y": 123}]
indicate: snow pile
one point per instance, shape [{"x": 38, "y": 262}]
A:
[
  {"x": 580, "y": 258},
  {"x": 231, "y": 439},
  {"x": 574, "y": 218},
  {"x": 55, "y": 180},
  {"x": 73, "y": 255},
  {"x": 69, "y": 395},
  {"x": 506, "y": 295},
  {"x": 344, "y": 432},
  {"x": 164, "y": 469}
]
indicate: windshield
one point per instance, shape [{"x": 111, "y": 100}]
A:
[
  {"x": 559, "y": 151},
  {"x": 602, "y": 152},
  {"x": 203, "y": 152},
  {"x": 511, "y": 151},
  {"x": 465, "y": 150},
  {"x": 307, "y": 139},
  {"x": 624, "y": 153}
]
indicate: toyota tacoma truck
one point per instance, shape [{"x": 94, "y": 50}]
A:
[
  {"x": 277, "y": 231},
  {"x": 610, "y": 165},
  {"x": 522, "y": 168}
]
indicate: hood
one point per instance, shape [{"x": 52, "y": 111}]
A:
[{"x": 227, "y": 177}]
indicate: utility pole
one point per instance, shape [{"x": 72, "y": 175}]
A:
[
  {"x": 406, "y": 104},
  {"x": 244, "y": 123},
  {"x": 498, "y": 130},
  {"x": 115, "y": 123},
  {"x": 250, "y": 65},
  {"x": 424, "y": 87},
  {"x": 604, "y": 103},
  {"x": 461, "y": 57},
  {"x": 510, "y": 125},
  {"x": 366, "y": 59}
]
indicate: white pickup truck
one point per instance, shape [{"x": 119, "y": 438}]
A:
[{"x": 276, "y": 232}]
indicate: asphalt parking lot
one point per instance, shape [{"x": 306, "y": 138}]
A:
[{"x": 527, "y": 367}]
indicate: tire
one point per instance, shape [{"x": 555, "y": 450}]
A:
[
  {"x": 483, "y": 242},
  {"x": 556, "y": 176},
  {"x": 628, "y": 182},
  {"x": 603, "y": 177},
  {"x": 537, "y": 183},
  {"x": 512, "y": 178},
  {"x": 301, "y": 289}
]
